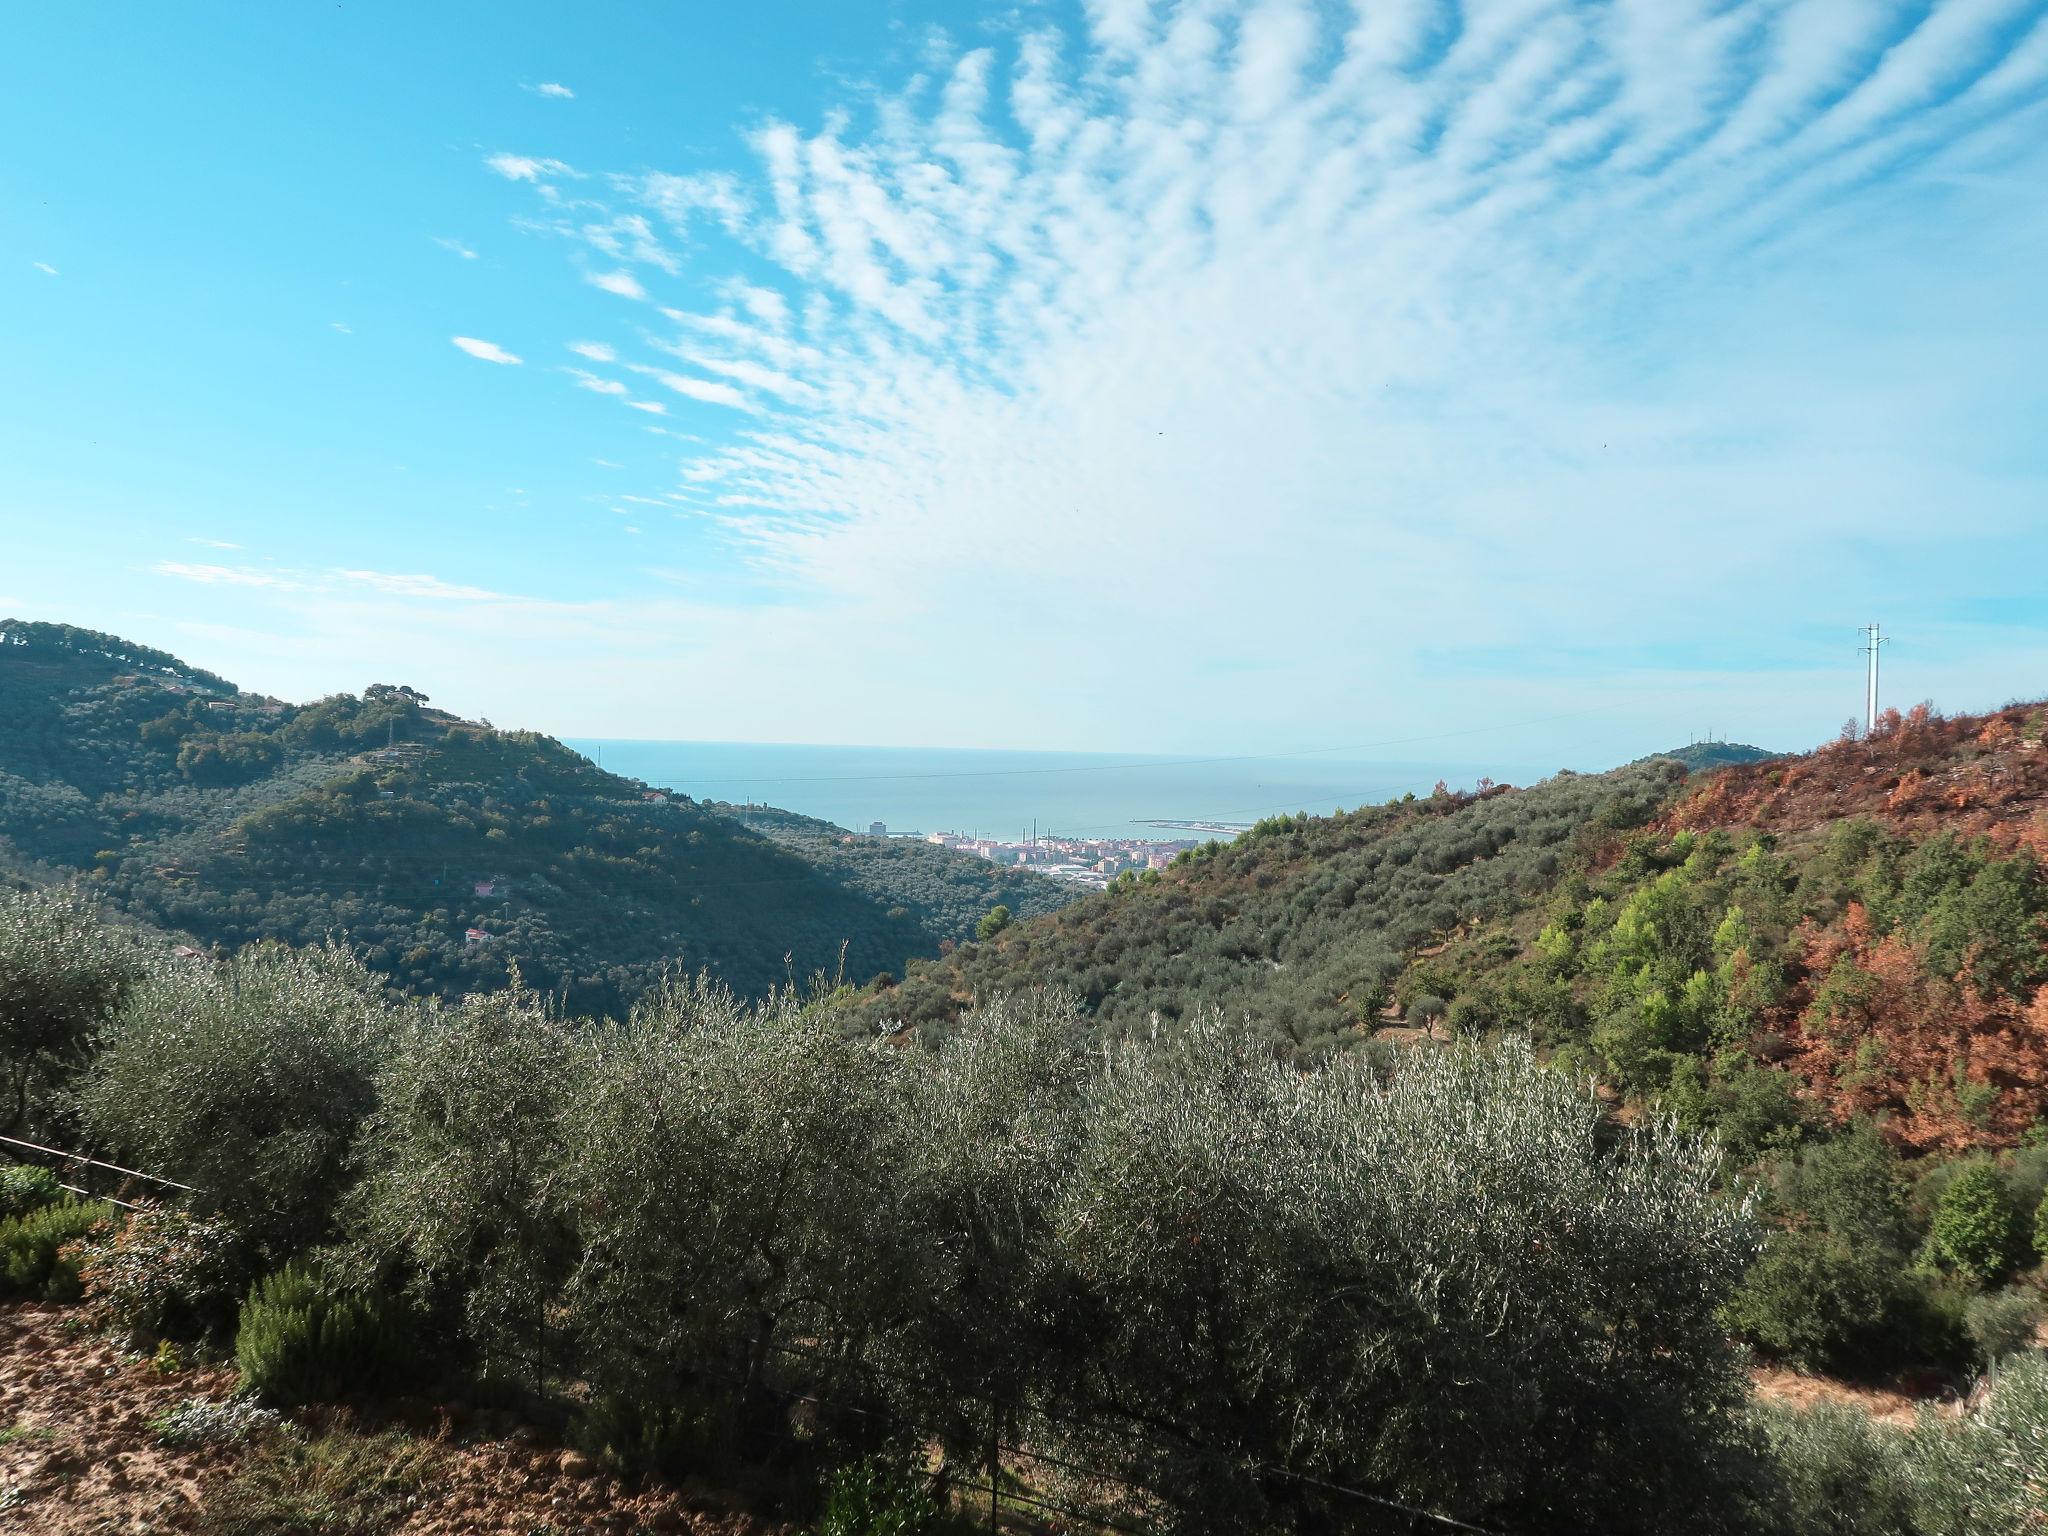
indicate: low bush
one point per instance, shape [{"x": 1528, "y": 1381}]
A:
[
  {"x": 1838, "y": 1473},
  {"x": 2003, "y": 1322},
  {"x": 201, "y": 1421},
  {"x": 1833, "y": 1472},
  {"x": 38, "y": 1253},
  {"x": 1986, "y": 1474},
  {"x": 165, "y": 1271},
  {"x": 877, "y": 1497},
  {"x": 25, "y": 1188},
  {"x": 302, "y": 1339}
]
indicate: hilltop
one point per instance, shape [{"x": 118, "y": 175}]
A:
[{"x": 448, "y": 851}]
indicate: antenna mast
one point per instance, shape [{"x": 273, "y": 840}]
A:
[{"x": 1874, "y": 640}]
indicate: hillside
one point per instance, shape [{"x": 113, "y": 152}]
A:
[
  {"x": 448, "y": 851},
  {"x": 949, "y": 892},
  {"x": 1867, "y": 920}
]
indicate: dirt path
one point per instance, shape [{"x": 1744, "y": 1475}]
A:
[{"x": 78, "y": 1456}]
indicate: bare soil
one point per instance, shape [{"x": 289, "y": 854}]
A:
[{"x": 78, "y": 1456}]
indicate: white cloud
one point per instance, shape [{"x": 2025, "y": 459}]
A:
[
  {"x": 338, "y": 580},
  {"x": 622, "y": 283},
  {"x": 652, "y": 407},
  {"x": 707, "y": 390},
  {"x": 488, "y": 351},
  {"x": 528, "y": 167},
  {"x": 607, "y": 464},
  {"x": 449, "y": 243},
  {"x": 45, "y": 268},
  {"x": 682, "y": 200},
  {"x": 212, "y": 543},
  {"x": 1547, "y": 320},
  {"x": 557, "y": 91},
  {"x": 229, "y": 575},
  {"x": 596, "y": 351},
  {"x": 342, "y": 326},
  {"x": 432, "y": 588},
  {"x": 595, "y": 383}
]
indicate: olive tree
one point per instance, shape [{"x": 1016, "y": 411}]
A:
[
  {"x": 460, "y": 1196},
  {"x": 988, "y": 1127},
  {"x": 726, "y": 1169},
  {"x": 61, "y": 975},
  {"x": 248, "y": 1081},
  {"x": 1444, "y": 1287}
]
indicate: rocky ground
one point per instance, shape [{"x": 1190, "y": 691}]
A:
[{"x": 81, "y": 1454}]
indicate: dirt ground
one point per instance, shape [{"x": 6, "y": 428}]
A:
[
  {"x": 1886, "y": 1404},
  {"x": 78, "y": 1457}
]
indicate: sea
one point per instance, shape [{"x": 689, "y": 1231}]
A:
[{"x": 1009, "y": 795}]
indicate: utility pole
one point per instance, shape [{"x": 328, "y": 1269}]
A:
[{"x": 1873, "y": 641}]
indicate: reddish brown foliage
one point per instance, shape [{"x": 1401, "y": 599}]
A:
[
  {"x": 1950, "y": 1067},
  {"x": 1917, "y": 772}
]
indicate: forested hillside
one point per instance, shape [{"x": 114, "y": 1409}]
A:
[
  {"x": 447, "y": 851},
  {"x": 1837, "y": 964},
  {"x": 947, "y": 892}
]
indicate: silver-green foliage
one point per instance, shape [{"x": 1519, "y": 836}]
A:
[
  {"x": 1982, "y": 1471},
  {"x": 460, "y": 1196},
  {"x": 1228, "y": 1281},
  {"x": 728, "y": 1174},
  {"x": 61, "y": 974},
  {"x": 1986, "y": 1474},
  {"x": 248, "y": 1081},
  {"x": 1441, "y": 1285}
]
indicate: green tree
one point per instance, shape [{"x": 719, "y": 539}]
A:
[
  {"x": 995, "y": 922},
  {"x": 1976, "y": 1231},
  {"x": 248, "y": 1082},
  {"x": 61, "y": 976}
]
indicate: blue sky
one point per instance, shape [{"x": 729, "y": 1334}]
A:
[{"x": 1126, "y": 375}]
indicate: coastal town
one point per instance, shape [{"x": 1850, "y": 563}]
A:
[{"x": 1086, "y": 861}]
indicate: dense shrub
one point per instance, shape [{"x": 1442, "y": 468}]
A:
[
  {"x": 875, "y": 1497},
  {"x": 37, "y": 1253},
  {"x": 301, "y": 1338},
  {"x": 1836, "y": 1287},
  {"x": 2003, "y": 1323},
  {"x": 164, "y": 1271},
  {"x": 1976, "y": 1231},
  {"x": 25, "y": 1188},
  {"x": 249, "y": 1082},
  {"x": 1833, "y": 1472},
  {"x": 1836, "y": 1472}
]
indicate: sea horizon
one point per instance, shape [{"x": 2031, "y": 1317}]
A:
[{"x": 1010, "y": 794}]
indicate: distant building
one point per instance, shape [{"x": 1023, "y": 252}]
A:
[
  {"x": 878, "y": 829},
  {"x": 486, "y": 888},
  {"x": 474, "y": 936}
]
